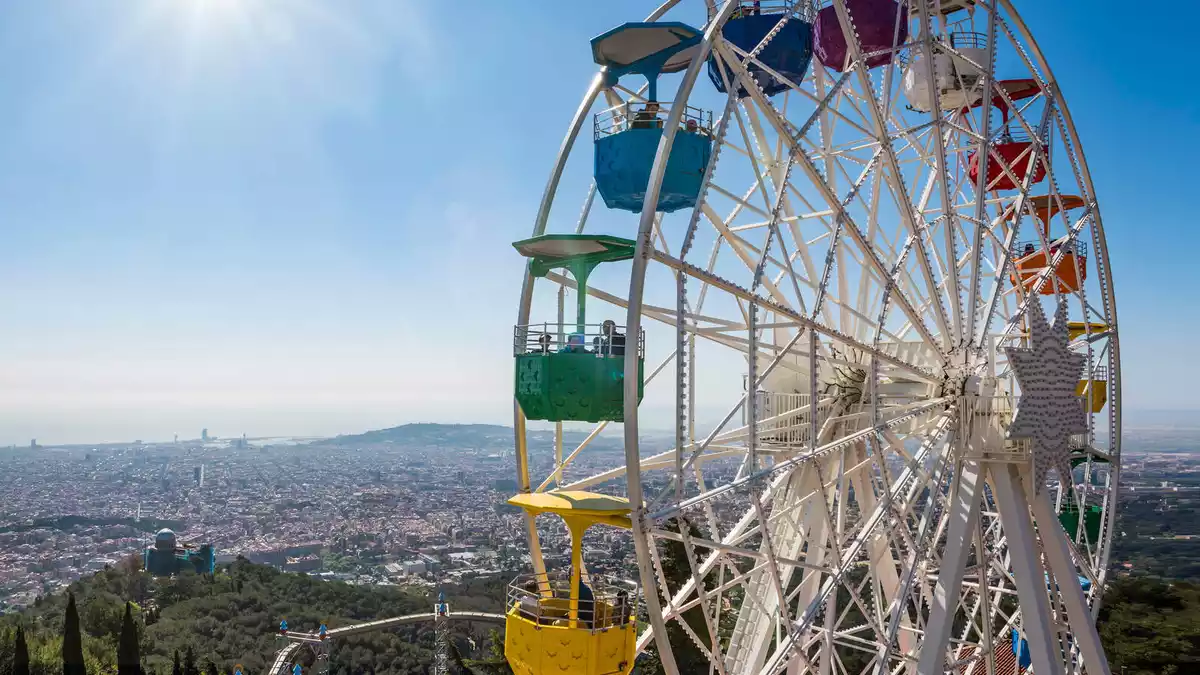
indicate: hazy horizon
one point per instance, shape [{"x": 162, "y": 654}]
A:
[{"x": 324, "y": 422}]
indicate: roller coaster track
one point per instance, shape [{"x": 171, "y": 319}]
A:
[{"x": 284, "y": 659}]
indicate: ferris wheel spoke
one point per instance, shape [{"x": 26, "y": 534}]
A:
[
  {"x": 912, "y": 370},
  {"x": 812, "y": 600},
  {"x": 963, "y": 512},
  {"x": 824, "y": 104},
  {"x": 782, "y": 127},
  {"x": 893, "y": 173}
]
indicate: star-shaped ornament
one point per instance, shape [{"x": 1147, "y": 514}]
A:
[{"x": 1049, "y": 411}]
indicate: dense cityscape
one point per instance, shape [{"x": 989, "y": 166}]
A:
[
  {"x": 418, "y": 504},
  {"x": 413, "y": 505}
]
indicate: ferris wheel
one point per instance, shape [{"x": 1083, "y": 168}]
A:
[{"x": 849, "y": 253}]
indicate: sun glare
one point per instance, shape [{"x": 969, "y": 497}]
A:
[
  {"x": 213, "y": 6},
  {"x": 214, "y": 13}
]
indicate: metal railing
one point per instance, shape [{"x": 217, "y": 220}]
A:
[
  {"x": 1002, "y": 409},
  {"x": 1026, "y": 248},
  {"x": 777, "y": 423},
  {"x": 554, "y": 338},
  {"x": 649, "y": 115},
  {"x": 1015, "y": 133},
  {"x": 545, "y": 599},
  {"x": 965, "y": 40},
  {"x": 803, "y": 8},
  {"x": 957, "y": 40}
]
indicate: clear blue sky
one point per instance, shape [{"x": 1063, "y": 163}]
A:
[{"x": 293, "y": 216}]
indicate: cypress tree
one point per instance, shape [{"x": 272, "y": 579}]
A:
[
  {"x": 20, "y": 662},
  {"x": 210, "y": 668},
  {"x": 176, "y": 670},
  {"x": 72, "y": 647},
  {"x": 129, "y": 659},
  {"x": 677, "y": 571},
  {"x": 189, "y": 662}
]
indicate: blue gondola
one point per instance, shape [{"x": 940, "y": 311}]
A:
[
  {"x": 788, "y": 53},
  {"x": 627, "y": 136}
]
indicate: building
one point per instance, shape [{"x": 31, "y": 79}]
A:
[
  {"x": 167, "y": 558},
  {"x": 198, "y": 475},
  {"x": 413, "y": 566},
  {"x": 204, "y": 435},
  {"x": 306, "y": 564}
]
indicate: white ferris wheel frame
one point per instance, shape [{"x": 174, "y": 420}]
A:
[{"x": 1010, "y": 497}]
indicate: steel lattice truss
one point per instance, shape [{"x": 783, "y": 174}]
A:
[{"x": 844, "y": 291}]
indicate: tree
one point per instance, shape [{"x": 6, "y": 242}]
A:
[
  {"x": 189, "y": 662},
  {"x": 677, "y": 571},
  {"x": 495, "y": 664},
  {"x": 210, "y": 668},
  {"x": 175, "y": 669},
  {"x": 129, "y": 658},
  {"x": 72, "y": 646},
  {"x": 20, "y": 661},
  {"x": 457, "y": 659}
]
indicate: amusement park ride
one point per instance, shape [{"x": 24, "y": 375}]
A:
[{"x": 866, "y": 236}]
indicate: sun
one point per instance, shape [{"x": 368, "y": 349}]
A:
[
  {"x": 213, "y": 14},
  {"x": 213, "y": 6}
]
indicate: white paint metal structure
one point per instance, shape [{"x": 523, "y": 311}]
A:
[{"x": 848, "y": 298}]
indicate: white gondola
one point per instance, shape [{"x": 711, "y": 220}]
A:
[{"x": 957, "y": 74}]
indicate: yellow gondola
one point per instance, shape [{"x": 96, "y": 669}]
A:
[
  {"x": 1079, "y": 328},
  {"x": 1094, "y": 391},
  {"x": 559, "y": 623}
]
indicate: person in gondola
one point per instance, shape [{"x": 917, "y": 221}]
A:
[
  {"x": 647, "y": 117},
  {"x": 624, "y": 609},
  {"x": 610, "y": 342},
  {"x": 575, "y": 345},
  {"x": 530, "y": 606},
  {"x": 543, "y": 345}
]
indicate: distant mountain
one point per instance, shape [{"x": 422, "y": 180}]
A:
[
  {"x": 432, "y": 434},
  {"x": 464, "y": 435}
]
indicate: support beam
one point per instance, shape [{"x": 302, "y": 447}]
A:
[
  {"x": 1028, "y": 574},
  {"x": 1058, "y": 555},
  {"x": 964, "y": 512}
]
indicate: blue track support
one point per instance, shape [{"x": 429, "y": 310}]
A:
[
  {"x": 789, "y": 53},
  {"x": 1020, "y": 648}
]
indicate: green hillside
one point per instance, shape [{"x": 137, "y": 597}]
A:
[
  {"x": 233, "y": 618},
  {"x": 1149, "y": 626}
]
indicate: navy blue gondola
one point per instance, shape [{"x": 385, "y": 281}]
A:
[
  {"x": 789, "y": 52},
  {"x": 627, "y": 136}
]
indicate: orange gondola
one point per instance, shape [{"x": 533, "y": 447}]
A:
[{"x": 1032, "y": 260}]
